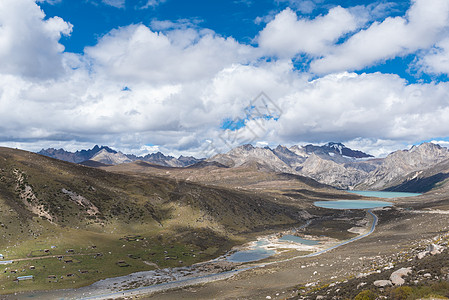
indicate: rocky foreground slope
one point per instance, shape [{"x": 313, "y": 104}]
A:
[{"x": 421, "y": 272}]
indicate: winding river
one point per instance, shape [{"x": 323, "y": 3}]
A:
[{"x": 102, "y": 289}]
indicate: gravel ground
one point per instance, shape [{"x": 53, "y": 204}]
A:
[{"x": 398, "y": 233}]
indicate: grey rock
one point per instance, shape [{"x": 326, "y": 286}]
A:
[
  {"x": 382, "y": 283},
  {"x": 422, "y": 254},
  {"x": 434, "y": 249},
  {"x": 396, "y": 276}
]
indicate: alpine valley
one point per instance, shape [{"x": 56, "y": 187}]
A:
[{"x": 101, "y": 224}]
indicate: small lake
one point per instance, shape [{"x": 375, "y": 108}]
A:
[
  {"x": 382, "y": 194},
  {"x": 256, "y": 253},
  {"x": 297, "y": 239},
  {"x": 250, "y": 255},
  {"x": 364, "y": 204},
  {"x": 259, "y": 252},
  {"x": 351, "y": 204}
]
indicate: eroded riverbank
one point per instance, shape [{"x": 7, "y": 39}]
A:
[{"x": 151, "y": 282}]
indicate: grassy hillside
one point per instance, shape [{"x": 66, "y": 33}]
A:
[{"x": 108, "y": 224}]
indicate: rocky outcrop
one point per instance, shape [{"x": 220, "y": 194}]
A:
[
  {"x": 90, "y": 208},
  {"x": 383, "y": 283},
  {"x": 396, "y": 276},
  {"x": 28, "y": 196},
  {"x": 432, "y": 249}
]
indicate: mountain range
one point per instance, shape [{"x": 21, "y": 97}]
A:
[
  {"x": 338, "y": 166},
  {"x": 98, "y": 156},
  {"x": 146, "y": 215},
  {"x": 148, "y": 221},
  {"x": 332, "y": 164}
]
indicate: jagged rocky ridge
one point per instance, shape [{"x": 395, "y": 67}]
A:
[
  {"x": 103, "y": 155},
  {"x": 414, "y": 170},
  {"x": 341, "y": 167},
  {"x": 74, "y": 157}
]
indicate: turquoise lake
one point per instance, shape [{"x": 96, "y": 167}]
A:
[
  {"x": 379, "y": 194},
  {"x": 255, "y": 254},
  {"x": 258, "y": 252},
  {"x": 250, "y": 255},
  {"x": 364, "y": 204},
  {"x": 351, "y": 204},
  {"x": 297, "y": 239}
]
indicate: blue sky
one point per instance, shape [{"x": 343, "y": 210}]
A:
[
  {"x": 93, "y": 19},
  {"x": 178, "y": 76},
  {"x": 242, "y": 20}
]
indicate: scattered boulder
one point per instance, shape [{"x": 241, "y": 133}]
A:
[
  {"x": 382, "y": 283},
  {"x": 434, "y": 249},
  {"x": 396, "y": 276},
  {"x": 422, "y": 254},
  {"x": 362, "y": 284}
]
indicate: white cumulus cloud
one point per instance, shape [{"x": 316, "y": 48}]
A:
[
  {"x": 137, "y": 53},
  {"x": 287, "y": 35},
  {"x": 152, "y": 3},
  {"x": 435, "y": 60},
  {"x": 424, "y": 25},
  {"x": 173, "y": 89},
  {"x": 29, "y": 44},
  {"x": 115, "y": 3}
]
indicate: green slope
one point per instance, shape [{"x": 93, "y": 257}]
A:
[{"x": 145, "y": 221}]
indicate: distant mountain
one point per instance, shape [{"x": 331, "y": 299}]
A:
[
  {"x": 397, "y": 166},
  {"x": 289, "y": 157},
  {"x": 332, "y": 164},
  {"x": 160, "y": 159},
  {"x": 74, "y": 157},
  {"x": 336, "y": 148},
  {"x": 339, "y": 166},
  {"x": 245, "y": 154},
  {"x": 189, "y": 160},
  {"x": 110, "y": 158},
  {"x": 104, "y": 155}
]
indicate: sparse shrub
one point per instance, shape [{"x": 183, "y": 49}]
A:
[
  {"x": 401, "y": 293},
  {"x": 366, "y": 295}
]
